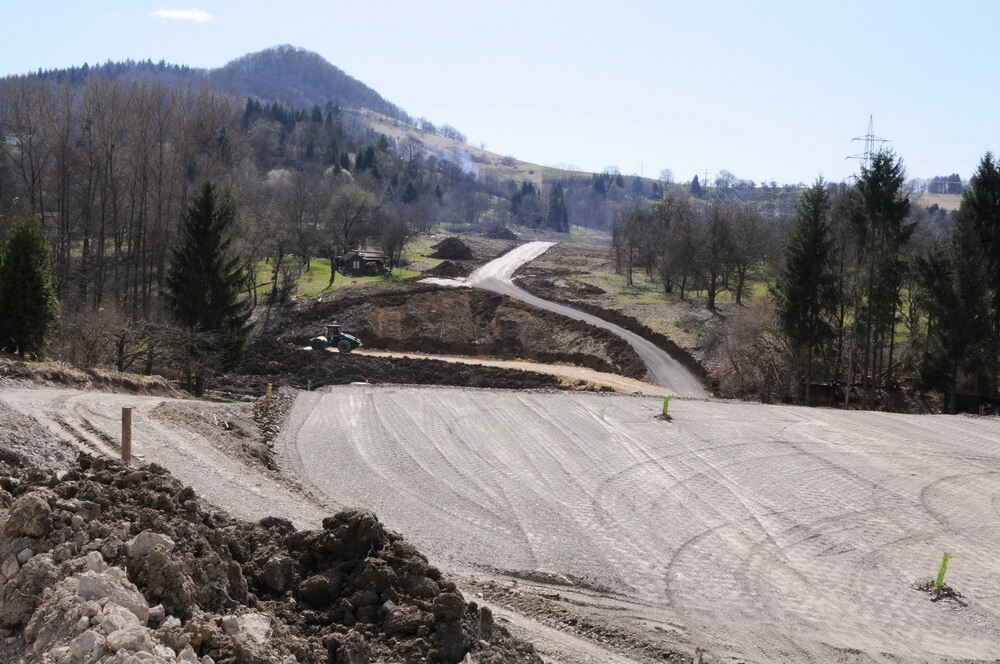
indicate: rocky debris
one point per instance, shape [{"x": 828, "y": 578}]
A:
[
  {"x": 150, "y": 573},
  {"x": 452, "y": 248},
  {"x": 449, "y": 270},
  {"x": 563, "y": 614},
  {"x": 499, "y": 232},
  {"x": 273, "y": 361},
  {"x": 24, "y": 435}
]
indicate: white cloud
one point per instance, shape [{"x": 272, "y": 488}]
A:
[{"x": 193, "y": 15}]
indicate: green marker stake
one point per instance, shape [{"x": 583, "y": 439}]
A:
[
  {"x": 666, "y": 405},
  {"x": 939, "y": 581}
]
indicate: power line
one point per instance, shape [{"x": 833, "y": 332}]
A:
[{"x": 870, "y": 141}]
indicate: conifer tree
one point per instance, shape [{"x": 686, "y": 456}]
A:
[
  {"x": 203, "y": 283},
  {"x": 980, "y": 209},
  {"x": 696, "y": 189},
  {"x": 957, "y": 316},
  {"x": 558, "y": 217},
  {"x": 29, "y": 308},
  {"x": 807, "y": 293}
]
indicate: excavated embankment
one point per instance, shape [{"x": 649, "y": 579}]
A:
[
  {"x": 111, "y": 564},
  {"x": 430, "y": 319}
]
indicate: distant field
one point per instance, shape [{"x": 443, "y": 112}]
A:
[{"x": 944, "y": 201}]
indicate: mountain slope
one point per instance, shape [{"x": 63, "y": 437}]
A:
[{"x": 298, "y": 78}]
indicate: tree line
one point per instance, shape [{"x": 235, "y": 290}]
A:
[{"x": 868, "y": 297}]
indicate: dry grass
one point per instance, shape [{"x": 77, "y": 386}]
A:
[
  {"x": 484, "y": 161},
  {"x": 943, "y": 201},
  {"x": 62, "y": 374}
]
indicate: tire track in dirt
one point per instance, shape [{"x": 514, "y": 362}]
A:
[{"x": 769, "y": 533}]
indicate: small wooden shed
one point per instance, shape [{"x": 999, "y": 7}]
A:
[{"x": 362, "y": 263}]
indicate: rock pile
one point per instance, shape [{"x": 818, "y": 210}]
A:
[
  {"x": 499, "y": 232},
  {"x": 449, "y": 270},
  {"x": 111, "y": 564},
  {"x": 453, "y": 249}
]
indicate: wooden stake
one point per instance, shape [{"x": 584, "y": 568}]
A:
[{"x": 126, "y": 435}]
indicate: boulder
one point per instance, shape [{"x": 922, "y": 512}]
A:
[
  {"x": 100, "y": 585},
  {"x": 256, "y": 626},
  {"x": 134, "y": 638},
  {"x": 405, "y": 620},
  {"x": 449, "y": 606},
  {"x": 146, "y": 542},
  {"x": 88, "y": 646},
  {"x": 30, "y": 516},
  {"x": 318, "y": 591},
  {"x": 278, "y": 573}
]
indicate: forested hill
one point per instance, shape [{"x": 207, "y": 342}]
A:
[
  {"x": 300, "y": 79},
  {"x": 286, "y": 74}
]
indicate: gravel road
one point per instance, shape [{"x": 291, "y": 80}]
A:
[
  {"x": 497, "y": 275},
  {"x": 763, "y": 533},
  {"x": 92, "y": 421}
]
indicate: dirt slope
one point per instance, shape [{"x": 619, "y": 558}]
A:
[{"x": 430, "y": 319}]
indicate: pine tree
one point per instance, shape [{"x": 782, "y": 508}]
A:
[
  {"x": 807, "y": 293},
  {"x": 29, "y": 308},
  {"x": 204, "y": 280},
  {"x": 696, "y": 189},
  {"x": 980, "y": 209},
  {"x": 410, "y": 195},
  {"x": 957, "y": 314},
  {"x": 558, "y": 217}
]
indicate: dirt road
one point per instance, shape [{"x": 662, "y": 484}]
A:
[
  {"x": 762, "y": 533},
  {"x": 570, "y": 372},
  {"x": 497, "y": 275},
  {"x": 92, "y": 421}
]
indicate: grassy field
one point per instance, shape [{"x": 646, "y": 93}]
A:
[
  {"x": 314, "y": 281},
  {"x": 944, "y": 201}
]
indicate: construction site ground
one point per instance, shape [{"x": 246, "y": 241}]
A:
[{"x": 760, "y": 533}]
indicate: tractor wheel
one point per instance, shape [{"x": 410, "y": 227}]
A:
[{"x": 344, "y": 346}]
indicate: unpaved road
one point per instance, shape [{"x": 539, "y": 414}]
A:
[
  {"x": 91, "y": 421},
  {"x": 573, "y": 373},
  {"x": 764, "y": 533},
  {"x": 497, "y": 275}
]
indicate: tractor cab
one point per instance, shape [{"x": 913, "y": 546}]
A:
[{"x": 336, "y": 338}]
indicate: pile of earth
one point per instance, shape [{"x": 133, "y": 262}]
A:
[
  {"x": 466, "y": 321},
  {"x": 501, "y": 233},
  {"x": 111, "y": 564},
  {"x": 273, "y": 361},
  {"x": 452, "y": 248},
  {"x": 449, "y": 270}
]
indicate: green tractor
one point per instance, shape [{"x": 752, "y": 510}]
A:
[{"x": 335, "y": 338}]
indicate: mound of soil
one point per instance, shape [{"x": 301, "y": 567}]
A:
[
  {"x": 106, "y": 563},
  {"x": 274, "y": 361},
  {"x": 452, "y": 249},
  {"x": 461, "y": 321},
  {"x": 449, "y": 270},
  {"x": 501, "y": 233}
]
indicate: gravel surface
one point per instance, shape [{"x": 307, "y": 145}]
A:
[
  {"x": 764, "y": 533},
  {"x": 497, "y": 275}
]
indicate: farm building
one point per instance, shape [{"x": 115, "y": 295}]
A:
[{"x": 360, "y": 263}]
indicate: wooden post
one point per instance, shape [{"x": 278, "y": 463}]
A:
[{"x": 126, "y": 435}]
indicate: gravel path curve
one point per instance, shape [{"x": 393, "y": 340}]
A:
[{"x": 497, "y": 276}]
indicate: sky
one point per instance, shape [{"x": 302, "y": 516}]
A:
[{"x": 768, "y": 90}]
